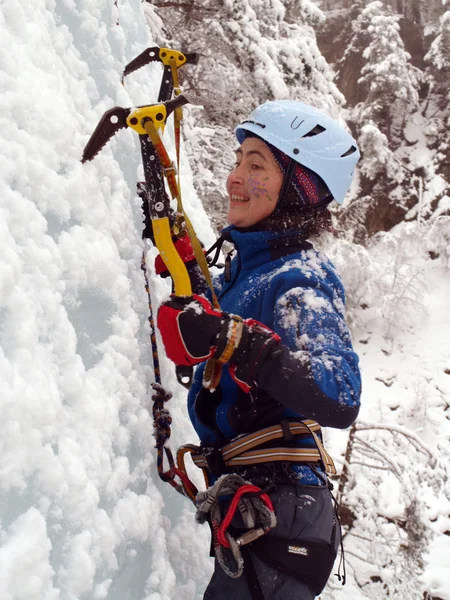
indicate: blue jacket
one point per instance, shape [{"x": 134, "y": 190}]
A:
[{"x": 280, "y": 280}]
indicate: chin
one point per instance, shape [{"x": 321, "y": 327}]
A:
[{"x": 233, "y": 219}]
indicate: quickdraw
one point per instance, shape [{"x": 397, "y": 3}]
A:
[{"x": 256, "y": 512}]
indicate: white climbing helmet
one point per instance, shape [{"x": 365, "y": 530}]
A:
[{"x": 309, "y": 137}]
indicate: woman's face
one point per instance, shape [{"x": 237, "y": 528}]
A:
[{"x": 253, "y": 185}]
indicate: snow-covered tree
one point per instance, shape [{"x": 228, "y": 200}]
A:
[
  {"x": 276, "y": 40},
  {"x": 378, "y": 157},
  {"x": 420, "y": 12},
  {"x": 438, "y": 60},
  {"x": 391, "y": 80},
  {"x": 389, "y": 86},
  {"x": 438, "y": 104},
  {"x": 438, "y": 77}
]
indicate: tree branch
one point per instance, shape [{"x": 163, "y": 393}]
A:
[
  {"x": 410, "y": 435},
  {"x": 347, "y": 459},
  {"x": 357, "y": 462},
  {"x": 383, "y": 455},
  {"x": 188, "y": 5}
]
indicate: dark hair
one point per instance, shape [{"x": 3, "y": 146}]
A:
[{"x": 311, "y": 221}]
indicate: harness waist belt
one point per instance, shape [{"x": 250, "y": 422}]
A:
[{"x": 240, "y": 451}]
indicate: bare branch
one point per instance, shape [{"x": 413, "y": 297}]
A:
[
  {"x": 182, "y": 5},
  {"x": 380, "y": 467},
  {"x": 347, "y": 459},
  {"x": 361, "y": 537},
  {"x": 410, "y": 435},
  {"x": 360, "y": 557},
  {"x": 364, "y": 451},
  {"x": 386, "y": 457}
]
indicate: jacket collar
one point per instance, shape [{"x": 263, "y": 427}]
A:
[{"x": 257, "y": 247}]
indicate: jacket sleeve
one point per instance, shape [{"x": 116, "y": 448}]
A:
[{"x": 316, "y": 372}]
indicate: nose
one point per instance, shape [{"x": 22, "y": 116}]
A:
[{"x": 236, "y": 176}]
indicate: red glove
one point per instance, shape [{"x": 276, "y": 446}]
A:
[
  {"x": 189, "y": 328},
  {"x": 193, "y": 331}
]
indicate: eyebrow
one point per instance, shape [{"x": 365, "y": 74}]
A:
[{"x": 250, "y": 152}]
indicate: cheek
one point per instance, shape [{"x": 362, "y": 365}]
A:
[
  {"x": 257, "y": 186},
  {"x": 229, "y": 182}
]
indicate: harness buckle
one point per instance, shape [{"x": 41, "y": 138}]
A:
[
  {"x": 214, "y": 460},
  {"x": 172, "y": 167}
]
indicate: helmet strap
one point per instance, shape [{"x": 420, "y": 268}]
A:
[{"x": 287, "y": 179}]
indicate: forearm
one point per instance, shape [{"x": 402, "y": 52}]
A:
[{"x": 290, "y": 380}]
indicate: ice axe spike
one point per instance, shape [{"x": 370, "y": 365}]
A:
[
  {"x": 163, "y": 55},
  {"x": 118, "y": 118},
  {"x": 111, "y": 122}
]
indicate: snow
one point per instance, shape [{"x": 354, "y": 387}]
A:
[
  {"x": 82, "y": 512},
  {"x": 406, "y": 387},
  {"x": 436, "y": 578}
]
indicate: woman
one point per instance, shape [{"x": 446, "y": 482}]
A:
[{"x": 281, "y": 331}]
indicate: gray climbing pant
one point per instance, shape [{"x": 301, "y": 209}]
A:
[{"x": 304, "y": 512}]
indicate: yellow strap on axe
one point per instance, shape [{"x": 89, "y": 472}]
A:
[{"x": 170, "y": 173}]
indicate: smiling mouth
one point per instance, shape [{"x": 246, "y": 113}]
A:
[{"x": 239, "y": 199}]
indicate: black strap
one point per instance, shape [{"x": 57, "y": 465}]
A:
[
  {"x": 286, "y": 181},
  {"x": 217, "y": 246},
  {"x": 287, "y": 433},
  {"x": 342, "y": 578},
  {"x": 250, "y": 573}
]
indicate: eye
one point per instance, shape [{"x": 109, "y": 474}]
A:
[{"x": 256, "y": 167}]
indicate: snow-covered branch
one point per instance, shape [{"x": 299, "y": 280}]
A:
[{"x": 393, "y": 428}]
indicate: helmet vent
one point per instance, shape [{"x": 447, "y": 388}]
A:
[
  {"x": 315, "y": 131},
  {"x": 350, "y": 151},
  {"x": 254, "y": 123}
]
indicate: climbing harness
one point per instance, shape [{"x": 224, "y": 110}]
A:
[
  {"x": 256, "y": 448},
  {"x": 306, "y": 560}
]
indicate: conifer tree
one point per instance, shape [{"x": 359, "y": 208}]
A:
[
  {"x": 352, "y": 39},
  {"x": 438, "y": 59},
  {"x": 390, "y": 86},
  {"x": 438, "y": 105},
  {"x": 392, "y": 82},
  {"x": 277, "y": 43}
]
